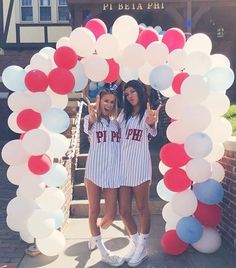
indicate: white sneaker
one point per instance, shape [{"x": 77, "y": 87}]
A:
[
  {"x": 130, "y": 253},
  {"x": 92, "y": 244},
  {"x": 139, "y": 256},
  {"x": 113, "y": 260}
]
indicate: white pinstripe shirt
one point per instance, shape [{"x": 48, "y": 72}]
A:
[
  {"x": 102, "y": 165},
  {"x": 135, "y": 166}
]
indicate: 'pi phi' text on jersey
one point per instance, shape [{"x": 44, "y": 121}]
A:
[
  {"x": 102, "y": 165},
  {"x": 135, "y": 166}
]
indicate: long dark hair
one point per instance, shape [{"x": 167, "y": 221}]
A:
[{"x": 142, "y": 96}]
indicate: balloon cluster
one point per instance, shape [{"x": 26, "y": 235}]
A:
[
  {"x": 191, "y": 174},
  {"x": 183, "y": 70}
]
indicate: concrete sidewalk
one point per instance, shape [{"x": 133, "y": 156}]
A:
[{"x": 77, "y": 255}]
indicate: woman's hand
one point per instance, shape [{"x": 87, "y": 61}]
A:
[
  {"x": 152, "y": 115},
  {"x": 93, "y": 108}
]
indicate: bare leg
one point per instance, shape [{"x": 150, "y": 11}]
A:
[
  {"x": 125, "y": 209},
  {"x": 93, "y": 193},
  {"x": 141, "y": 194},
  {"x": 110, "y": 207}
]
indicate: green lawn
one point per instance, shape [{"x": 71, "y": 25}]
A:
[{"x": 231, "y": 116}]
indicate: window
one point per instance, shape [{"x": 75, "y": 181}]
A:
[
  {"x": 26, "y": 10},
  {"x": 45, "y": 10},
  {"x": 63, "y": 12}
]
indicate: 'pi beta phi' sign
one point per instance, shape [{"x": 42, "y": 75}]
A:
[{"x": 133, "y": 6}]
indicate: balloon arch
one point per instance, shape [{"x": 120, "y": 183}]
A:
[{"x": 194, "y": 80}]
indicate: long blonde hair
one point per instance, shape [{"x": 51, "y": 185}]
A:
[{"x": 114, "y": 112}]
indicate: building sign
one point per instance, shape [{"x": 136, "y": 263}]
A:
[{"x": 133, "y": 6}]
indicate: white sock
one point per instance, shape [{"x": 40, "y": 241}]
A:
[
  {"x": 135, "y": 238},
  {"x": 143, "y": 238},
  {"x": 101, "y": 247}
]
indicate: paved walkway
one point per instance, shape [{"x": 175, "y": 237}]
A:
[{"x": 77, "y": 255}]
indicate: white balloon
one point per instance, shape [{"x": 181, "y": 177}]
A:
[
  {"x": 91, "y": 69},
  {"x": 40, "y": 102},
  {"x": 51, "y": 199},
  {"x": 184, "y": 203},
  {"x": 52, "y": 245},
  {"x": 164, "y": 192},
  {"x": 83, "y": 41},
  {"x": 219, "y": 60},
  {"x": 198, "y": 42},
  {"x": 144, "y": 73},
  {"x": 63, "y": 42},
  {"x": 41, "y": 61},
  {"x": 16, "y": 173},
  {"x": 198, "y": 62},
  {"x": 10, "y": 156},
  {"x": 169, "y": 215},
  {"x": 127, "y": 74},
  {"x": 107, "y": 46},
  {"x": 169, "y": 92},
  {"x": 31, "y": 187},
  {"x": 12, "y": 123},
  {"x": 157, "y": 53},
  {"x": 177, "y": 132},
  {"x": 196, "y": 118},
  {"x": 194, "y": 89},
  {"x": 163, "y": 168},
  {"x": 26, "y": 236},
  {"x": 19, "y": 101},
  {"x": 59, "y": 145},
  {"x": 218, "y": 171},
  {"x": 209, "y": 242},
  {"x": 198, "y": 170},
  {"x": 129, "y": 56},
  {"x": 175, "y": 106},
  {"x": 126, "y": 30},
  {"x": 40, "y": 225},
  {"x": 177, "y": 59},
  {"x": 36, "y": 142},
  {"x": 217, "y": 102},
  {"x": 219, "y": 129},
  {"x": 57, "y": 100},
  {"x": 216, "y": 153}
]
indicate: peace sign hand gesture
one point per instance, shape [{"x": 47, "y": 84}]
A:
[
  {"x": 93, "y": 108},
  {"x": 152, "y": 115}
]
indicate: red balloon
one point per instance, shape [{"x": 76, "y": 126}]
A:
[
  {"x": 174, "y": 38},
  {"x": 65, "y": 57},
  {"x": 114, "y": 70},
  {"x": 28, "y": 119},
  {"x": 97, "y": 26},
  {"x": 178, "y": 80},
  {"x": 36, "y": 81},
  {"x": 208, "y": 215},
  {"x": 171, "y": 243},
  {"x": 176, "y": 180},
  {"x": 39, "y": 164},
  {"x": 61, "y": 81},
  {"x": 174, "y": 155},
  {"x": 146, "y": 37}
]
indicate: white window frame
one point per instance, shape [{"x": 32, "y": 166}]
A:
[
  {"x": 51, "y": 9},
  {"x": 23, "y": 6},
  {"x": 58, "y": 6}
]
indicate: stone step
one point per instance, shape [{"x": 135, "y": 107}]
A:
[
  {"x": 79, "y": 191},
  {"x": 80, "y": 208},
  {"x": 79, "y": 176},
  {"x": 82, "y": 160}
]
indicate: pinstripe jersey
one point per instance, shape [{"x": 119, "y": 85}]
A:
[
  {"x": 136, "y": 165},
  {"x": 102, "y": 165}
]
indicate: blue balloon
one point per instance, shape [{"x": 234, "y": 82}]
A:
[
  {"x": 59, "y": 218},
  {"x": 189, "y": 229},
  {"x": 161, "y": 77},
  {"x": 56, "y": 120},
  {"x": 209, "y": 192},
  {"x": 220, "y": 78},
  {"x": 56, "y": 176}
]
